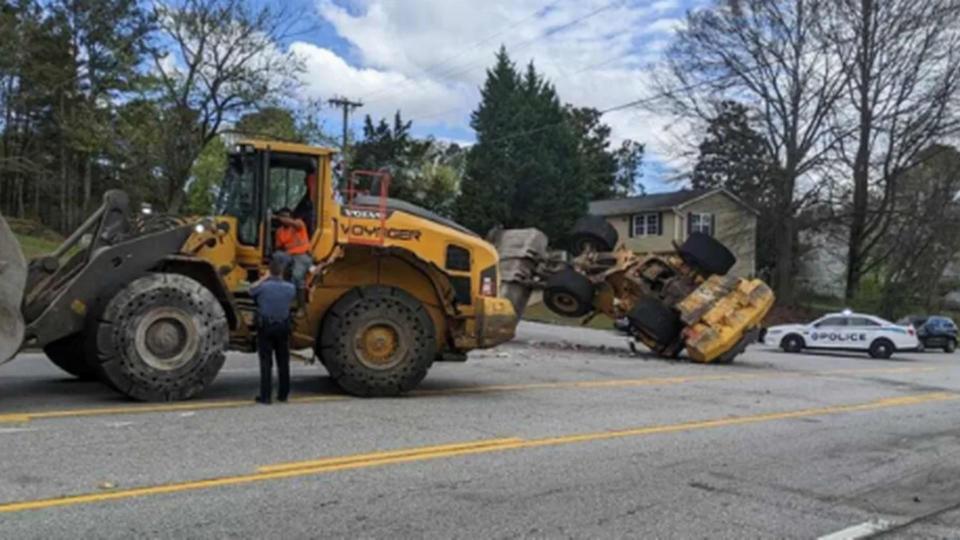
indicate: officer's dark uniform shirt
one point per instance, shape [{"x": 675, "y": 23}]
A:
[{"x": 273, "y": 298}]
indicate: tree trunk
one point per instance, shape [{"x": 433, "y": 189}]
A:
[
  {"x": 175, "y": 182},
  {"x": 21, "y": 207},
  {"x": 861, "y": 164},
  {"x": 786, "y": 236},
  {"x": 36, "y": 200},
  {"x": 64, "y": 189},
  {"x": 87, "y": 185}
]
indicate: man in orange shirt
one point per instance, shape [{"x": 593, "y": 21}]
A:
[{"x": 293, "y": 240}]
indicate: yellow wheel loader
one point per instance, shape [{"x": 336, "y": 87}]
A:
[{"x": 149, "y": 304}]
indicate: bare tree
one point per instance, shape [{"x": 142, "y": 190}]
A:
[
  {"x": 225, "y": 60},
  {"x": 920, "y": 237},
  {"x": 902, "y": 61},
  {"x": 769, "y": 55}
]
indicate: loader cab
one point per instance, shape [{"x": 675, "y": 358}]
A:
[{"x": 263, "y": 177}]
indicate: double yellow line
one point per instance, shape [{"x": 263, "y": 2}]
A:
[
  {"x": 426, "y": 453},
  {"x": 22, "y": 417}
]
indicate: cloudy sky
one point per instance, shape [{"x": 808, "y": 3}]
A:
[{"x": 428, "y": 58}]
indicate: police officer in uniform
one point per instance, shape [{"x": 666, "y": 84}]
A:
[{"x": 274, "y": 296}]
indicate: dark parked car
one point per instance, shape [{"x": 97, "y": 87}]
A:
[{"x": 935, "y": 332}]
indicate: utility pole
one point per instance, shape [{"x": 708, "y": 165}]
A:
[{"x": 347, "y": 106}]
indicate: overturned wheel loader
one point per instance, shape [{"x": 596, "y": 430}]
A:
[{"x": 672, "y": 301}]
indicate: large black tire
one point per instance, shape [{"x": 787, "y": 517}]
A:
[
  {"x": 706, "y": 254},
  {"x": 881, "y": 348},
  {"x": 161, "y": 338},
  {"x": 592, "y": 232},
  {"x": 792, "y": 343},
  {"x": 657, "y": 321},
  {"x": 377, "y": 341},
  {"x": 569, "y": 293},
  {"x": 950, "y": 346},
  {"x": 68, "y": 354}
]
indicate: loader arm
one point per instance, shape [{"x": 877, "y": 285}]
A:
[{"x": 51, "y": 297}]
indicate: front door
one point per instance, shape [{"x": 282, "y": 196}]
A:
[
  {"x": 827, "y": 333},
  {"x": 292, "y": 186}
]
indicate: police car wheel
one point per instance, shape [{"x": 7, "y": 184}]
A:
[
  {"x": 881, "y": 348},
  {"x": 950, "y": 346},
  {"x": 792, "y": 344}
]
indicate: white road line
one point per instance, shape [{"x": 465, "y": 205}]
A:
[
  {"x": 863, "y": 530},
  {"x": 15, "y": 430}
]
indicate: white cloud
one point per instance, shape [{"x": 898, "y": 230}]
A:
[{"x": 428, "y": 57}]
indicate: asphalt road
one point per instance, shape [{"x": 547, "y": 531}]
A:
[{"x": 534, "y": 439}]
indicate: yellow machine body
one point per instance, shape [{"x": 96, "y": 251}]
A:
[{"x": 355, "y": 245}]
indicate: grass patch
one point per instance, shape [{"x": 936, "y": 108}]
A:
[
  {"x": 35, "y": 238},
  {"x": 33, "y": 246},
  {"x": 540, "y": 313}
]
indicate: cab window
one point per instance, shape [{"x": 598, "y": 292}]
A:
[
  {"x": 238, "y": 197},
  {"x": 291, "y": 184},
  {"x": 287, "y": 187},
  {"x": 861, "y": 321}
]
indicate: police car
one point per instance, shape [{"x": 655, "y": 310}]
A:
[{"x": 846, "y": 331}]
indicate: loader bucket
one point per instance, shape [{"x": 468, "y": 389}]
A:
[{"x": 13, "y": 278}]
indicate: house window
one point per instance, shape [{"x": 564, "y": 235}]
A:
[
  {"x": 702, "y": 223},
  {"x": 647, "y": 224}
]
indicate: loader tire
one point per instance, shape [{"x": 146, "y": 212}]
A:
[
  {"x": 377, "y": 341},
  {"x": 68, "y": 354},
  {"x": 161, "y": 338},
  {"x": 656, "y": 321},
  {"x": 707, "y": 255},
  {"x": 569, "y": 293},
  {"x": 592, "y": 232}
]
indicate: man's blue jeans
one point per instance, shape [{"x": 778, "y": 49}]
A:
[{"x": 299, "y": 266}]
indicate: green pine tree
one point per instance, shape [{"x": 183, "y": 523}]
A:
[
  {"x": 487, "y": 190},
  {"x": 524, "y": 170}
]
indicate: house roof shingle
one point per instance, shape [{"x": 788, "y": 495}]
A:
[{"x": 643, "y": 203}]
